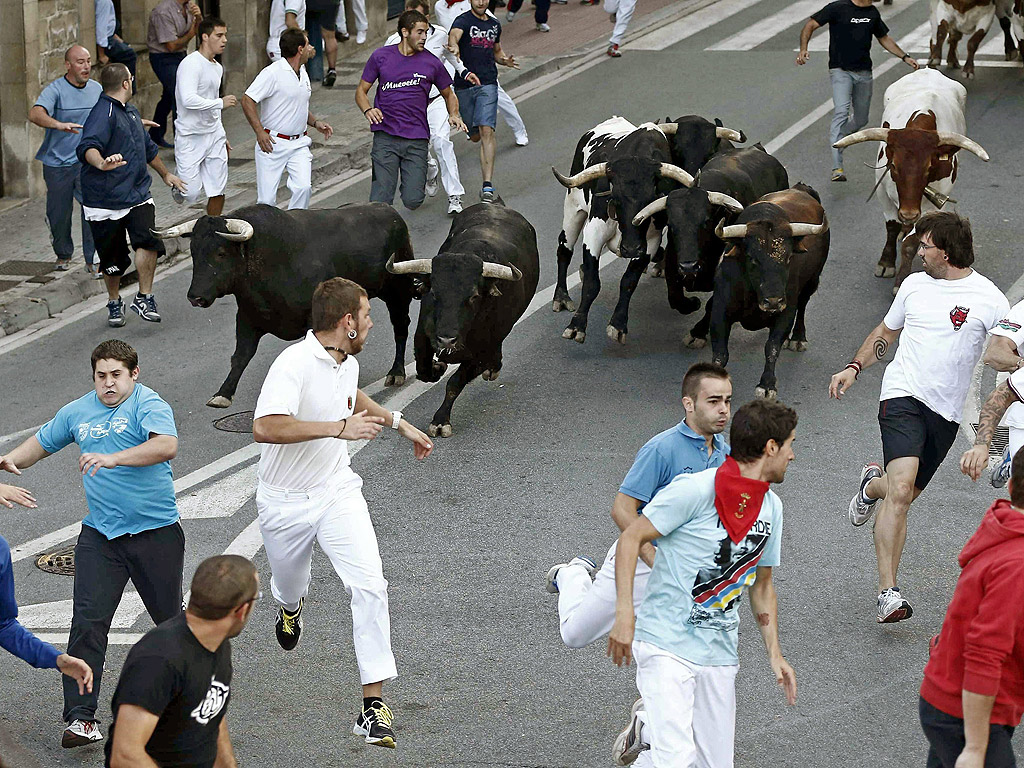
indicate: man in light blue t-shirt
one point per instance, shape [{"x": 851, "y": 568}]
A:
[
  {"x": 61, "y": 109},
  {"x": 127, "y": 437},
  {"x": 712, "y": 546}
]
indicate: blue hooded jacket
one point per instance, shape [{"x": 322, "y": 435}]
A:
[{"x": 114, "y": 128}]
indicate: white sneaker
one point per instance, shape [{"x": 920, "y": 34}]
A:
[
  {"x": 892, "y": 607},
  {"x": 522, "y": 141},
  {"x": 510, "y": 15},
  {"x": 431, "y": 186},
  {"x": 454, "y": 204},
  {"x": 629, "y": 744},
  {"x": 79, "y": 733},
  {"x": 361, "y": 37},
  {"x": 1001, "y": 471},
  {"x": 543, "y": 28},
  {"x": 862, "y": 508},
  {"x": 583, "y": 561}
]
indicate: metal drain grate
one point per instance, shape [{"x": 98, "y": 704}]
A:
[
  {"x": 60, "y": 561},
  {"x": 5, "y": 284},
  {"x": 1000, "y": 440},
  {"x": 235, "y": 422},
  {"x": 21, "y": 267}
]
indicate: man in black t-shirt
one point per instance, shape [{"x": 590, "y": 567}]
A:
[
  {"x": 852, "y": 24},
  {"x": 174, "y": 689}
]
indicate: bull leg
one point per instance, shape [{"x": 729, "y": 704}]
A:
[
  {"x": 247, "y": 338},
  {"x": 909, "y": 249},
  {"x": 721, "y": 327},
  {"x": 658, "y": 263},
  {"x": 398, "y": 310},
  {"x": 698, "y": 335},
  {"x": 952, "y": 60},
  {"x": 561, "y": 298},
  {"x": 797, "y": 340},
  {"x": 935, "y": 55},
  {"x": 768, "y": 386},
  {"x": 427, "y": 369},
  {"x": 441, "y": 425},
  {"x": 972, "y": 46},
  {"x": 490, "y": 373},
  {"x": 577, "y": 328},
  {"x": 887, "y": 264},
  {"x": 1009, "y": 44},
  {"x": 617, "y": 326}
]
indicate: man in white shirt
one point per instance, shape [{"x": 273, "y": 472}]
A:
[
  {"x": 201, "y": 146},
  {"x": 942, "y": 317},
  {"x": 437, "y": 114},
  {"x": 309, "y": 405},
  {"x": 446, "y": 12},
  {"x": 362, "y": 24},
  {"x": 284, "y": 14},
  {"x": 282, "y": 91},
  {"x": 1004, "y": 355}
]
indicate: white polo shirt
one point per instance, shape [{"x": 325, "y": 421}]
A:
[
  {"x": 197, "y": 95},
  {"x": 307, "y": 383},
  {"x": 278, "y": 9},
  {"x": 283, "y": 97}
]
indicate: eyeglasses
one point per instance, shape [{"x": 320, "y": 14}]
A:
[{"x": 923, "y": 246}]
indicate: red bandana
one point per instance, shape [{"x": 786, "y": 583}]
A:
[{"x": 737, "y": 499}]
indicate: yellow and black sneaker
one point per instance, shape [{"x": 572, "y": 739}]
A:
[
  {"x": 374, "y": 725},
  {"x": 289, "y": 627}
]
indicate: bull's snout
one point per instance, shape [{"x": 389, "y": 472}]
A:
[
  {"x": 908, "y": 216},
  {"x": 688, "y": 268},
  {"x": 197, "y": 301},
  {"x": 446, "y": 343},
  {"x": 772, "y": 305}
]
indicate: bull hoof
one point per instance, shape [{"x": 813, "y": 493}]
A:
[
  {"x": 558, "y": 305},
  {"x": 968, "y": 73},
  {"x": 574, "y": 333},
  {"x": 615, "y": 334},
  {"x": 394, "y": 380},
  {"x": 895, "y": 290},
  {"x": 491, "y": 374},
  {"x": 765, "y": 394},
  {"x": 796, "y": 346},
  {"x": 440, "y": 430},
  {"x": 694, "y": 343},
  {"x": 657, "y": 270},
  {"x": 884, "y": 270},
  {"x": 219, "y": 401}
]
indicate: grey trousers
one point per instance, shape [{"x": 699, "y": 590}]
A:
[
  {"x": 851, "y": 96},
  {"x": 62, "y": 189},
  {"x": 391, "y": 156}
]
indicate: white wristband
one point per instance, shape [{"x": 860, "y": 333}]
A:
[{"x": 396, "y": 419}]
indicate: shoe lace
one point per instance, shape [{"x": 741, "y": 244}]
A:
[
  {"x": 289, "y": 621},
  {"x": 151, "y": 303},
  {"x": 380, "y": 712}
]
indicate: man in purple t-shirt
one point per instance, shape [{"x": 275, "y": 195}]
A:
[{"x": 398, "y": 117}]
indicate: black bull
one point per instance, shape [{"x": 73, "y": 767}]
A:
[
  {"x": 274, "y": 271},
  {"x": 476, "y": 289}
]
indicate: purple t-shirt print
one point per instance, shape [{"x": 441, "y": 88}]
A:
[{"x": 403, "y": 88}]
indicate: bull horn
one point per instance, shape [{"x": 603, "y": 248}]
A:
[
  {"x": 239, "y": 230},
  {"x": 594, "y": 172},
  {"x": 178, "y": 231},
  {"x": 650, "y": 209},
  {"x": 669, "y": 129},
  {"x": 410, "y": 267},
  {"x": 958, "y": 140},
  {"x": 868, "y": 134},
  {"x": 501, "y": 272},
  {"x": 730, "y": 134},
  {"x": 670, "y": 171},
  {"x": 717, "y": 198},
  {"x": 732, "y": 231},
  {"x": 802, "y": 230}
]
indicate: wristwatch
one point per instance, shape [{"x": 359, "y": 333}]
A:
[{"x": 396, "y": 419}]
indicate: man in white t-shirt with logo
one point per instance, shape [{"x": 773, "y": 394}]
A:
[
  {"x": 942, "y": 317},
  {"x": 310, "y": 404},
  {"x": 200, "y": 145},
  {"x": 1004, "y": 354},
  {"x": 284, "y": 14},
  {"x": 282, "y": 91}
]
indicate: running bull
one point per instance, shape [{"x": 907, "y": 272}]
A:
[
  {"x": 272, "y": 260},
  {"x": 474, "y": 292},
  {"x": 617, "y": 169},
  {"x": 954, "y": 19},
  {"x": 779, "y": 248},
  {"x": 923, "y": 128}
]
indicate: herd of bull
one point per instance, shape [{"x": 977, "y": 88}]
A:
[{"x": 710, "y": 216}]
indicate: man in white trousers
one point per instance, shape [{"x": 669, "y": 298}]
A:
[
  {"x": 437, "y": 115},
  {"x": 359, "y": 12},
  {"x": 309, "y": 406},
  {"x": 446, "y": 12},
  {"x": 719, "y": 535},
  {"x": 284, "y": 14},
  {"x": 282, "y": 91},
  {"x": 1004, "y": 354},
  {"x": 200, "y": 145},
  {"x": 621, "y": 12}
]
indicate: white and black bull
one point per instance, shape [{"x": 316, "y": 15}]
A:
[
  {"x": 729, "y": 181},
  {"x": 473, "y": 293},
  {"x": 923, "y": 129},
  {"x": 617, "y": 169},
  {"x": 779, "y": 248},
  {"x": 272, "y": 260}
]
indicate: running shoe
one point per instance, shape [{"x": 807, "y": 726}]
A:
[
  {"x": 628, "y": 745},
  {"x": 145, "y": 307},
  {"x": 115, "y": 313},
  {"x": 613, "y": 51},
  {"x": 861, "y": 508},
  {"x": 289, "y": 627},
  {"x": 838, "y": 174},
  {"x": 62, "y": 265},
  {"x": 581, "y": 560},
  {"x": 522, "y": 140},
  {"x": 79, "y": 733},
  {"x": 454, "y": 204},
  {"x": 892, "y": 607},
  {"x": 177, "y": 196},
  {"x": 510, "y": 15},
  {"x": 374, "y": 724},
  {"x": 360, "y": 36},
  {"x": 543, "y": 28},
  {"x": 340, "y": 35},
  {"x": 330, "y": 78},
  {"x": 1001, "y": 471},
  {"x": 431, "y": 186},
  {"x": 488, "y": 195}
]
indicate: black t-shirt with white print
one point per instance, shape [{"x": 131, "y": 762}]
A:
[
  {"x": 171, "y": 674},
  {"x": 849, "y": 34}
]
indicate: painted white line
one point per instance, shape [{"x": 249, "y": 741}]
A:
[
  {"x": 35, "y": 546},
  {"x": 767, "y": 28},
  {"x": 19, "y": 436},
  {"x": 114, "y": 638},
  {"x": 677, "y": 31},
  {"x": 57, "y": 614},
  {"x": 220, "y": 499}
]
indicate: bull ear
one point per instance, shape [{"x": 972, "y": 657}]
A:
[
  {"x": 494, "y": 290},
  {"x": 612, "y": 211}
]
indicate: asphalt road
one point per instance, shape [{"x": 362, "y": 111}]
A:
[{"x": 527, "y": 479}]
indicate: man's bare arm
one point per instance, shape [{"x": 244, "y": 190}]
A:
[
  {"x": 135, "y": 726},
  {"x": 624, "y": 512},
  {"x": 974, "y": 460},
  {"x": 1002, "y": 354},
  {"x": 23, "y": 457},
  {"x": 225, "y": 752}
]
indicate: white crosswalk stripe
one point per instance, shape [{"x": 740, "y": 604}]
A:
[
  {"x": 688, "y": 26},
  {"x": 769, "y": 27}
]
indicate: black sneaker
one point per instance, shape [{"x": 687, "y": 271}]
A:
[
  {"x": 145, "y": 307},
  {"x": 160, "y": 141},
  {"x": 329, "y": 78},
  {"x": 115, "y": 313},
  {"x": 374, "y": 725},
  {"x": 289, "y": 627}
]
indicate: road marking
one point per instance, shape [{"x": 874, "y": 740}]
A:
[
  {"x": 222, "y": 498},
  {"x": 769, "y": 27},
  {"x": 679, "y": 30},
  {"x": 114, "y": 638},
  {"x": 18, "y": 436}
]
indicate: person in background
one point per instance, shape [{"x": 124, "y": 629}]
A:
[
  {"x": 109, "y": 46},
  {"x": 284, "y": 14},
  {"x": 171, "y": 25},
  {"x": 540, "y": 13},
  {"x": 362, "y": 24},
  {"x": 321, "y": 16}
]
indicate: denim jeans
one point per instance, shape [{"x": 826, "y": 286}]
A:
[
  {"x": 63, "y": 187},
  {"x": 120, "y": 52},
  {"x": 851, "y": 95},
  {"x": 165, "y": 67},
  {"x": 316, "y": 22}
]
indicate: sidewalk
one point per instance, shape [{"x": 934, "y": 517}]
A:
[{"x": 30, "y": 292}]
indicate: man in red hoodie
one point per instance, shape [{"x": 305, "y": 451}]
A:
[{"x": 972, "y": 696}]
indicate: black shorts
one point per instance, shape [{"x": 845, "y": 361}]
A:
[
  {"x": 110, "y": 238},
  {"x": 911, "y": 428}
]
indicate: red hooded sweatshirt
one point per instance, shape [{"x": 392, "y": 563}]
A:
[{"x": 981, "y": 646}]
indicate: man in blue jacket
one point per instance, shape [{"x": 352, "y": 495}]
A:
[{"x": 114, "y": 151}]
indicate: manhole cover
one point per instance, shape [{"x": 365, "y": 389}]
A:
[
  {"x": 60, "y": 561},
  {"x": 20, "y": 267},
  {"x": 235, "y": 422}
]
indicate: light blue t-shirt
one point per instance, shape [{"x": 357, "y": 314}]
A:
[
  {"x": 63, "y": 101},
  {"x": 123, "y": 499},
  {"x": 693, "y": 595}
]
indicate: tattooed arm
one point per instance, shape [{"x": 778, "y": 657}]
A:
[
  {"x": 765, "y": 606},
  {"x": 874, "y": 348},
  {"x": 974, "y": 461}
]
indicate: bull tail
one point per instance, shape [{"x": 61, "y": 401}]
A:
[{"x": 808, "y": 189}]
